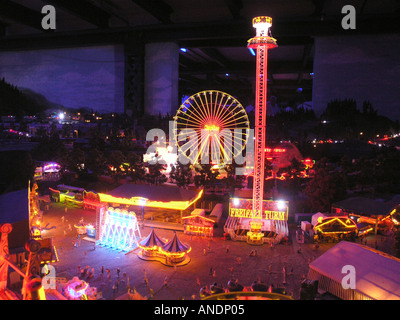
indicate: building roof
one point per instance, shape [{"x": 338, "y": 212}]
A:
[
  {"x": 164, "y": 193},
  {"x": 366, "y": 206},
  {"x": 175, "y": 246},
  {"x": 377, "y": 274},
  {"x": 152, "y": 240},
  {"x": 14, "y": 206}
]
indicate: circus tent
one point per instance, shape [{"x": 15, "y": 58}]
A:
[
  {"x": 152, "y": 240},
  {"x": 175, "y": 246}
]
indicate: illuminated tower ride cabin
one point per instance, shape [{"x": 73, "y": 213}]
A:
[{"x": 261, "y": 43}]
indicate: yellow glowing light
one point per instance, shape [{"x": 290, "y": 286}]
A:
[
  {"x": 138, "y": 201},
  {"x": 346, "y": 224},
  {"x": 193, "y": 216},
  {"x": 211, "y": 127},
  {"x": 262, "y": 20}
]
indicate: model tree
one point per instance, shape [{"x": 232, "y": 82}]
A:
[
  {"x": 155, "y": 174},
  {"x": 115, "y": 162},
  {"x": 205, "y": 176},
  {"x": 96, "y": 162},
  {"x": 181, "y": 174},
  {"x": 233, "y": 181},
  {"x": 136, "y": 170},
  {"x": 325, "y": 187}
]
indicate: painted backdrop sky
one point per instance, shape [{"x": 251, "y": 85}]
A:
[{"x": 89, "y": 77}]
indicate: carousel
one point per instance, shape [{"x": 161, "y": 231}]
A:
[{"x": 169, "y": 253}]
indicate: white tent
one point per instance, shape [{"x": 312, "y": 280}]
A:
[
  {"x": 377, "y": 274},
  {"x": 315, "y": 217}
]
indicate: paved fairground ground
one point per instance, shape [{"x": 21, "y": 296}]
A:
[{"x": 183, "y": 282}]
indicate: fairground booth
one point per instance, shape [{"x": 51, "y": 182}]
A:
[
  {"x": 244, "y": 226},
  {"x": 335, "y": 228},
  {"x": 198, "y": 224},
  {"x": 156, "y": 203},
  {"x": 369, "y": 214}
]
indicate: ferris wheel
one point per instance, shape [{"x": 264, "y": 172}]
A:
[{"x": 211, "y": 127}]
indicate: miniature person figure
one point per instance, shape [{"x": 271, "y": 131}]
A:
[{"x": 165, "y": 281}]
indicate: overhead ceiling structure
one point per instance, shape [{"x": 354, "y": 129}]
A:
[{"x": 213, "y": 35}]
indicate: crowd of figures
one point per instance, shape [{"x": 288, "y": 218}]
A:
[{"x": 235, "y": 286}]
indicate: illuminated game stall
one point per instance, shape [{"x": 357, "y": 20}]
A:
[
  {"x": 197, "y": 224},
  {"x": 91, "y": 200},
  {"x": 272, "y": 226},
  {"x": 47, "y": 171},
  {"x": 119, "y": 229},
  {"x": 165, "y": 203},
  {"x": 170, "y": 253},
  {"x": 68, "y": 195},
  {"x": 335, "y": 228}
]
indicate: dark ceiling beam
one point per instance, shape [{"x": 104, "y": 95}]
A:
[
  {"x": 241, "y": 42},
  {"x": 234, "y": 6},
  {"x": 217, "y": 56},
  {"x": 3, "y": 28},
  {"x": 157, "y": 8},
  {"x": 23, "y": 15},
  {"x": 362, "y": 7},
  {"x": 196, "y": 31},
  {"x": 84, "y": 10},
  {"x": 306, "y": 57},
  {"x": 242, "y": 68},
  {"x": 319, "y": 6}
]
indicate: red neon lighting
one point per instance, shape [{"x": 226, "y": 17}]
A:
[
  {"x": 261, "y": 42},
  {"x": 275, "y": 150}
]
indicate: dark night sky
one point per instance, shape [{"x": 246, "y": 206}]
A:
[{"x": 78, "y": 77}]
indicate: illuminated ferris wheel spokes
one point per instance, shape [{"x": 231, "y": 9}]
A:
[{"x": 214, "y": 126}]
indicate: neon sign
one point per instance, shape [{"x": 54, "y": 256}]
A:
[{"x": 272, "y": 210}]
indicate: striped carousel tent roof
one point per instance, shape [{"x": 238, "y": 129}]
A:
[
  {"x": 152, "y": 240},
  {"x": 175, "y": 245}
]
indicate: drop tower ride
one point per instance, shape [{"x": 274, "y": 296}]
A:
[{"x": 261, "y": 43}]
